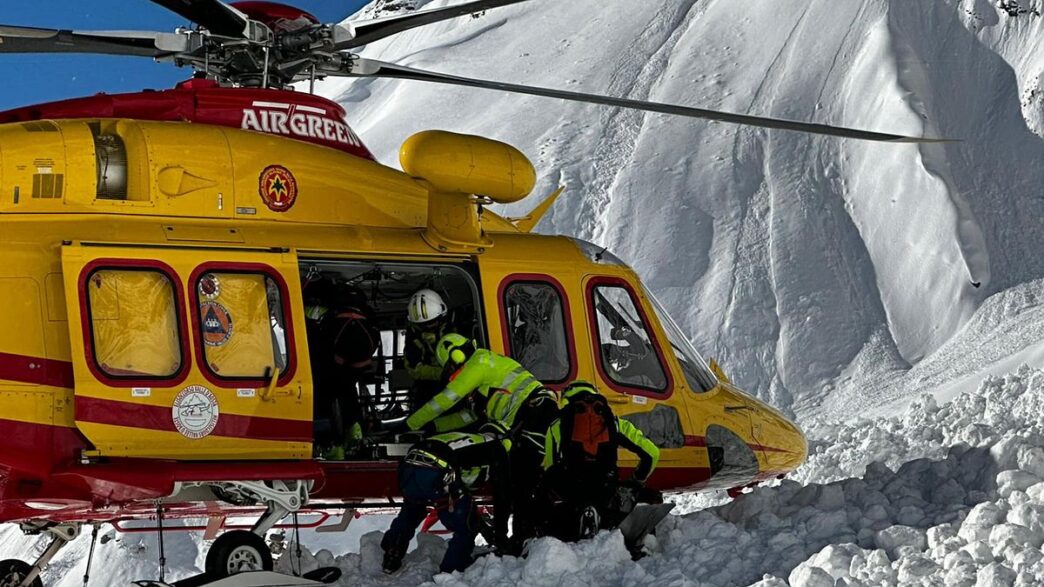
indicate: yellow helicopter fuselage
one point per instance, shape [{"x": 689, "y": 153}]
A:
[{"x": 155, "y": 329}]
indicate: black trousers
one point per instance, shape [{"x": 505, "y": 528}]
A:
[{"x": 527, "y": 462}]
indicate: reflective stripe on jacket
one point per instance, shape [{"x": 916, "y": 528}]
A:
[
  {"x": 473, "y": 454},
  {"x": 501, "y": 380}
]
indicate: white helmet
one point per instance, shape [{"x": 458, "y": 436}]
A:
[{"x": 425, "y": 306}]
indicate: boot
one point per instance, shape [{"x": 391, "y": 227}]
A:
[
  {"x": 392, "y": 560},
  {"x": 588, "y": 522}
]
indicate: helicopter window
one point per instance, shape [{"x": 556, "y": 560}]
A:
[
  {"x": 133, "y": 316},
  {"x": 535, "y": 328},
  {"x": 241, "y": 325},
  {"x": 697, "y": 374},
  {"x": 629, "y": 356}
]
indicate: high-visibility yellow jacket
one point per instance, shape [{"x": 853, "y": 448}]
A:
[{"x": 501, "y": 381}]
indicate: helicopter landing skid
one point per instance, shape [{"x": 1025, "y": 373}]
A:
[{"x": 280, "y": 498}]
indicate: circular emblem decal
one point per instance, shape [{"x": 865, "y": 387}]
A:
[
  {"x": 195, "y": 412},
  {"x": 278, "y": 188},
  {"x": 217, "y": 323},
  {"x": 209, "y": 286}
]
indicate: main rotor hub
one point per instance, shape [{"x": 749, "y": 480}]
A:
[{"x": 280, "y": 18}]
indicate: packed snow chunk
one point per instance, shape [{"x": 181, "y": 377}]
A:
[
  {"x": 875, "y": 569},
  {"x": 1036, "y": 492},
  {"x": 980, "y": 520},
  {"x": 552, "y": 563},
  {"x": 1028, "y": 559},
  {"x": 915, "y": 568},
  {"x": 980, "y": 552},
  {"x": 1003, "y": 535},
  {"x": 939, "y": 535},
  {"x": 834, "y": 562},
  {"x": 995, "y": 575},
  {"x": 803, "y": 576},
  {"x": 896, "y": 540},
  {"x": 1006, "y": 452},
  {"x": 1015, "y": 480},
  {"x": 1030, "y": 515},
  {"x": 827, "y": 524},
  {"x": 1031, "y": 460}
]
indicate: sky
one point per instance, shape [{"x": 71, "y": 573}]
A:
[{"x": 33, "y": 79}]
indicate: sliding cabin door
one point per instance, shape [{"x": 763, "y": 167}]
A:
[{"x": 188, "y": 354}]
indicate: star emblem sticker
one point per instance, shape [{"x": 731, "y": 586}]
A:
[{"x": 278, "y": 188}]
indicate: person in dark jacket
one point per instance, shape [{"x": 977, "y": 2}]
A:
[
  {"x": 342, "y": 340},
  {"x": 443, "y": 472},
  {"x": 581, "y": 482}
]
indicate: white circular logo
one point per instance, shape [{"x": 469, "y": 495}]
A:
[{"x": 195, "y": 412}]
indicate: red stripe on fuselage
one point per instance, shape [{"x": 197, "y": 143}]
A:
[
  {"x": 695, "y": 440},
  {"x": 691, "y": 440},
  {"x": 767, "y": 448},
  {"x": 118, "y": 413},
  {"x": 36, "y": 370}
]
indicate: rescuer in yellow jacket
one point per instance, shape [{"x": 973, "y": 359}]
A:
[
  {"x": 581, "y": 475},
  {"x": 506, "y": 394}
]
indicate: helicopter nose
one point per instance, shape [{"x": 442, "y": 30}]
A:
[{"x": 795, "y": 447}]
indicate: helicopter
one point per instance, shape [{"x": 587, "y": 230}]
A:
[{"x": 157, "y": 250}]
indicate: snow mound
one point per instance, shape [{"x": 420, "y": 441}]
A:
[{"x": 941, "y": 494}]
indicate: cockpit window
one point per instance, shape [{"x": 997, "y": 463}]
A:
[
  {"x": 697, "y": 373},
  {"x": 537, "y": 333},
  {"x": 628, "y": 354}
]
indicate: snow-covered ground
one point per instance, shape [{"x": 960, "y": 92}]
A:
[{"x": 944, "y": 494}]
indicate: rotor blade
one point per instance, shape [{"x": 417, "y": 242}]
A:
[
  {"x": 372, "y": 68},
  {"x": 368, "y": 31},
  {"x": 214, "y": 15},
  {"x": 15, "y": 39}
]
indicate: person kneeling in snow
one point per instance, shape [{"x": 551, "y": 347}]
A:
[
  {"x": 441, "y": 472},
  {"x": 581, "y": 483}
]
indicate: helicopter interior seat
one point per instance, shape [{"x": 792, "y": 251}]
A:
[{"x": 386, "y": 390}]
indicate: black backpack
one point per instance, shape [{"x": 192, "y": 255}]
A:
[{"x": 589, "y": 438}]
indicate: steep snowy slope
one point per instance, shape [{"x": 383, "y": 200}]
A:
[{"x": 795, "y": 260}]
